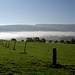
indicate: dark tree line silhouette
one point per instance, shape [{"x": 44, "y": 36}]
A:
[
  {"x": 37, "y": 39},
  {"x": 72, "y": 41}
]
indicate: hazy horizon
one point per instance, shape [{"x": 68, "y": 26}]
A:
[{"x": 38, "y": 30}]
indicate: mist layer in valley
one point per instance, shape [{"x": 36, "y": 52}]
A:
[
  {"x": 45, "y": 34},
  {"x": 47, "y": 31}
]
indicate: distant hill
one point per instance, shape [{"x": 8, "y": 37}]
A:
[
  {"x": 38, "y": 27},
  {"x": 58, "y": 27}
]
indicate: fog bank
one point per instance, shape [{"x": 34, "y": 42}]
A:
[{"x": 9, "y": 35}]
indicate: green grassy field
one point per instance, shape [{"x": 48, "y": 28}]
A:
[{"x": 38, "y": 60}]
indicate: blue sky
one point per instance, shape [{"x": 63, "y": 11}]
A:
[{"x": 37, "y": 12}]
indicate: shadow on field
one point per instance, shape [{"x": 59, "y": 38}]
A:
[
  {"x": 3, "y": 69},
  {"x": 14, "y": 69},
  {"x": 65, "y": 67},
  {"x": 23, "y": 53}
]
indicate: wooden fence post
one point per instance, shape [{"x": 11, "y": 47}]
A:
[
  {"x": 2, "y": 43},
  {"x": 6, "y": 44},
  {"x": 54, "y": 56},
  {"x": 25, "y": 47},
  {"x": 14, "y": 45}
]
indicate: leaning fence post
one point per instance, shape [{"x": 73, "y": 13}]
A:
[
  {"x": 6, "y": 44},
  {"x": 25, "y": 47},
  {"x": 54, "y": 56},
  {"x": 2, "y": 42},
  {"x": 14, "y": 45}
]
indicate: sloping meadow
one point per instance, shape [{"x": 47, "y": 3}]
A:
[{"x": 37, "y": 59}]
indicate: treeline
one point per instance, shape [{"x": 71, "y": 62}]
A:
[
  {"x": 29, "y": 39},
  {"x": 37, "y": 39},
  {"x": 72, "y": 41}
]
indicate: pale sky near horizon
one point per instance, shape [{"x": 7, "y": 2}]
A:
[{"x": 37, "y": 12}]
